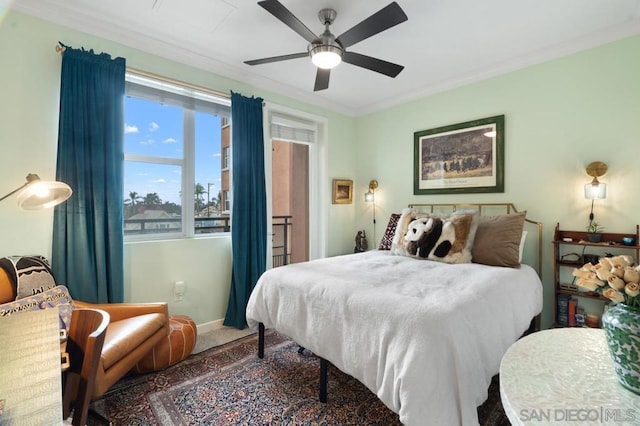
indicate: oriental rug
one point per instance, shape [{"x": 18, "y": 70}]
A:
[{"x": 230, "y": 385}]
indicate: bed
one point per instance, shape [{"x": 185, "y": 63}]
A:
[{"x": 426, "y": 336}]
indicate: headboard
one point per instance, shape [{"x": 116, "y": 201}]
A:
[{"x": 493, "y": 209}]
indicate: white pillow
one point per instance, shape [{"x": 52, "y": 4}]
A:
[{"x": 521, "y": 248}]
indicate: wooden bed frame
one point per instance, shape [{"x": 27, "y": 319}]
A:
[{"x": 484, "y": 209}]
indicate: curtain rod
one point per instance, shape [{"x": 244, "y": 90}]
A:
[{"x": 60, "y": 48}]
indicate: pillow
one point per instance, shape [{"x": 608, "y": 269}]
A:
[
  {"x": 387, "y": 238},
  {"x": 498, "y": 240},
  {"x": 29, "y": 274},
  {"x": 521, "y": 248},
  {"x": 441, "y": 238},
  {"x": 408, "y": 215},
  {"x": 58, "y": 296}
]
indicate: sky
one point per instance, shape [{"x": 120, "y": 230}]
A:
[{"x": 155, "y": 129}]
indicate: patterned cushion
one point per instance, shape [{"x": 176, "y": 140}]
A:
[
  {"x": 29, "y": 274},
  {"x": 58, "y": 296},
  {"x": 387, "y": 238},
  {"x": 443, "y": 238}
]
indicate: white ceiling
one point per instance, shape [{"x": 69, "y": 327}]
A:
[{"x": 444, "y": 43}]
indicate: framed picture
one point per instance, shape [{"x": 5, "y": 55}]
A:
[
  {"x": 460, "y": 158},
  {"x": 342, "y": 191}
]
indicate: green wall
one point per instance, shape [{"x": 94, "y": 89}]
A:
[{"x": 559, "y": 116}]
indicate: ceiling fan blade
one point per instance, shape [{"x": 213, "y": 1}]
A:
[
  {"x": 384, "y": 19},
  {"x": 277, "y": 58},
  {"x": 322, "y": 79},
  {"x": 276, "y": 8},
  {"x": 378, "y": 65}
]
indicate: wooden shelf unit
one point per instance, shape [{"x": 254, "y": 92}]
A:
[{"x": 609, "y": 242}]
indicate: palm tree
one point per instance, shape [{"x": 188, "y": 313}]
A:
[
  {"x": 199, "y": 192},
  {"x": 152, "y": 199},
  {"x": 130, "y": 204},
  {"x": 133, "y": 199}
]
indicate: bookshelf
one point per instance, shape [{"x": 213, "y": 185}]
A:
[{"x": 569, "y": 251}]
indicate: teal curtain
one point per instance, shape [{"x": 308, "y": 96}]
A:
[
  {"x": 249, "y": 211},
  {"x": 87, "y": 252}
]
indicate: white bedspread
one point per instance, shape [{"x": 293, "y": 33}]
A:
[{"x": 425, "y": 337}]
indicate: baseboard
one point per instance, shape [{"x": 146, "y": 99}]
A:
[{"x": 210, "y": 326}]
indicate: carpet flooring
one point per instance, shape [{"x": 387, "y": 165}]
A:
[{"x": 230, "y": 385}]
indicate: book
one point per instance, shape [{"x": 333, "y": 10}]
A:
[
  {"x": 562, "y": 318},
  {"x": 573, "y": 304}
]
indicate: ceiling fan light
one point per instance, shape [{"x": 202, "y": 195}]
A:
[{"x": 326, "y": 56}]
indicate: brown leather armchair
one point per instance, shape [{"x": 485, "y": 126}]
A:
[{"x": 134, "y": 329}]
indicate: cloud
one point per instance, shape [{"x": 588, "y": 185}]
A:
[
  {"x": 160, "y": 181},
  {"x": 147, "y": 142},
  {"x": 153, "y": 126},
  {"x": 130, "y": 129},
  {"x": 169, "y": 140},
  {"x": 216, "y": 155}
]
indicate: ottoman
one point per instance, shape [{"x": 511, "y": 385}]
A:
[{"x": 173, "y": 349}]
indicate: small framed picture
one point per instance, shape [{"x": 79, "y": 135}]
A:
[{"x": 342, "y": 191}]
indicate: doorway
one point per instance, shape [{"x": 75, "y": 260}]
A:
[
  {"x": 296, "y": 176},
  {"x": 290, "y": 202}
]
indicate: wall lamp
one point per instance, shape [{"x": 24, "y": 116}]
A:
[
  {"x": 37, "y": 194},
  {"x": 595, "y": 189},
  {"x": 370, "y": 196}
]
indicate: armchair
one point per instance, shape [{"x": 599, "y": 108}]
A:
[{"x": 133, "y": 331}]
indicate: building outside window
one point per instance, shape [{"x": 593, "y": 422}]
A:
[
  {"x": 174, "y": 160},
  {"x": 227, "y": 201},
  {"x": 226, "y": 157}
]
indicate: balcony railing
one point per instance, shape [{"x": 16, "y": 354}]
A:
[
  {"x": 203, "y": 225},
  {"x": 281, "y": 239}
]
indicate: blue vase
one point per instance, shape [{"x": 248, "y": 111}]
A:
[{"x": 621, "y": 326}]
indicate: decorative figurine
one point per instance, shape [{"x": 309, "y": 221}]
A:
[{"x": 361, "y": 242}]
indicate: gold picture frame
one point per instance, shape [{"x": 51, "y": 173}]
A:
[{"x": 342, "y": 191}]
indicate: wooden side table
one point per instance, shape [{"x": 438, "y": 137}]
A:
[{"x": 564, "y": 375}]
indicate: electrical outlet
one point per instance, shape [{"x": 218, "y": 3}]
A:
[{"x": 179, "y": 288}]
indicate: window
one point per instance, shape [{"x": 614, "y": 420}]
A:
[
  {"x": 226, "y": 152},
  {"x": 174, "y": 160},
  {"x": 227, "y": 200}
]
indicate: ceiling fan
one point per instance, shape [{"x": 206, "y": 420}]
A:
[{"x": 326, "y": 50}]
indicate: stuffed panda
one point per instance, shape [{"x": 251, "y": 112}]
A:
[{"x": 427, "y": 236}]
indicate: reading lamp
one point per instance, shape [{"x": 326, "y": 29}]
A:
[
  {"x": 37, "y": 194},
  {"x": 595, "y": 189}
]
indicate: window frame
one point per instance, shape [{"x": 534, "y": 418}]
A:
[{"x": 162, "y": 86}]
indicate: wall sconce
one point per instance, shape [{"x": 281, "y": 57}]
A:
[
  {"x": 369, "y": 196},
  {"x": 37, "y": 194},
  {"x": 595, "y": 189}
]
